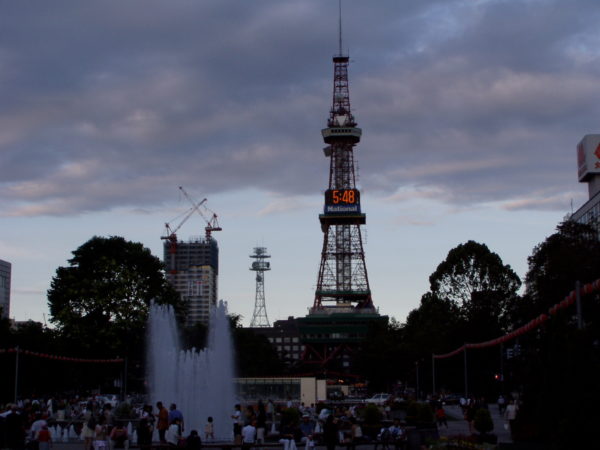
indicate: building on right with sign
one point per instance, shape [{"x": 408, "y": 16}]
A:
[{"x": 588, "y": 170}]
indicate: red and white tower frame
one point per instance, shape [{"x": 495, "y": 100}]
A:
[{"x": 343, "y": 283}]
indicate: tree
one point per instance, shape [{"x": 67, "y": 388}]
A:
[
  {"x": 480, "y": 284},
  {"x": 560, "y": 357},
  {"x": 432, "y": 328},
  {"x": 100, "y": 301},
  {"x": 435, "y": 327},
  {"x": 381, "y": 348},
  {"x": 254, "y": 354},
  {"x": 569, "y": 255}
]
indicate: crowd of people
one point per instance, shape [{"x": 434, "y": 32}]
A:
[
  {"x": 33, "y": 425},
  {"x": 329, "y": 427}
]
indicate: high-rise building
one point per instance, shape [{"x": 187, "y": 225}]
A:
[
  {"x": 5, "y": 271},
  {"x": 588, "y": 168},
  {"x": 192, "y": 269}
]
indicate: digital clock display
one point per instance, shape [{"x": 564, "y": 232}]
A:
[
  {"x": 342, "y": 201},
  {"x": 342, "y": 196}
]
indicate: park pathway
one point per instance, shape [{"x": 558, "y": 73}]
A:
[{"x": 458, "y": 425}]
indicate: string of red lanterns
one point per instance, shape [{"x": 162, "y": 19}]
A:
[
  {"x": 539, "y": 320},
  {"x": 59, "y": 358}
]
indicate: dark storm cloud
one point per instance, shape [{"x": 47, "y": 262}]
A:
[{"x": 112, "y": 103}]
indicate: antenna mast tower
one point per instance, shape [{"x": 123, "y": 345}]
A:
[
  {"x": 343, "y": 284},
  {"x": 260, "y": 266},
  {"x": 343, "y": 312}
]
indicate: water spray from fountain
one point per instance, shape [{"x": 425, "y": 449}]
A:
[{"x": 200, "y": 383}]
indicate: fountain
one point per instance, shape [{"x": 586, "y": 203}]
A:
[{"x": 200, "y": 383}]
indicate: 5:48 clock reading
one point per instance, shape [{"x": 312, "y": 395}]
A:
[{"x": 342, "y": 196}]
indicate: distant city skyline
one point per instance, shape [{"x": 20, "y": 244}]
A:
[{"x": 471, "y": 113}]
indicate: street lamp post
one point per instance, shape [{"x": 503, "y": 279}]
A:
[
  {"x": 466, "y": 375},
  {"x": 418, "y": 390}
]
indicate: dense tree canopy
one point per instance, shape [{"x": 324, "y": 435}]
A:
[
  {"x": 560, "y": 364},
  {"x": 471, "y": 294},
  {"x": 434, "y": 327},
  {"x": 470, "y": 268},
  {"x": 480, "y": 284},
  {"x": 254, "y": 354},
  {"x": 383, "y": 343},
  {"x": 569, "y": 255},
  {"x": 101, "y": 299}
]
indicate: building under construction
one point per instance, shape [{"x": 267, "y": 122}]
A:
[{"x": 192, "y": 267}]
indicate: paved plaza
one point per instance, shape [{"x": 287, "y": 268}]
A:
[{"x": 458, "y": 425}]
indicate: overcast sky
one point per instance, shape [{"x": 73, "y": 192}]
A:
[{"x": 470, "y": 110}]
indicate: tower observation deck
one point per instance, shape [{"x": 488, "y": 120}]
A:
[{"x": 343, "y": 283}]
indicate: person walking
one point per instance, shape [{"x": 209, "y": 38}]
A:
[
  {"x": 173, "y": 434},
  {"x": 440, "y": 415},
  {"x": 330, "y": 432},
  {"x": 89, "y": 426},
  {"x": 118, "y": 437},
  {"x": 162, "y": 423},
  {"x": 193, "y": 441},
  {"x": 236, "y": 417},
  {"x": 501, "y": 404},
  {"x": 144, "y": 433},
  {"x": 44, "y": 438},
  {"x": 36, "y": 426},
  {"x": 209, "y": 429},
  {"x": 470, "y": 415},
  {"x": 510, "y": 414},
  {"x": 261, "y": 422},
  {"x": 175, "y": 414},
  {"x": 248, "y": 435},
  {"x": 100, "y": 435}
]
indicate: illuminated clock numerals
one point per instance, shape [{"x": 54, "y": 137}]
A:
[
  {"x": 347, "y": 196},
  {"x": 337, "y": 196},
  {"x": 342, "y": 197}
]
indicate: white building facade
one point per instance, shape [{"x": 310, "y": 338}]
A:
[{"x": 588, "y": 168}]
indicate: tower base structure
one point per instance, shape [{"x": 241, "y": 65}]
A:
[{"x": 332, "y": 339}]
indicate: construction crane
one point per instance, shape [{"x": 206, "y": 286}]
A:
[
  {"x": 172, "y": 232},
  {"x": 212, "y": 224}
]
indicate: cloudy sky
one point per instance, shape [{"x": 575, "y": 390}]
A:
[{"x": 470, "y": 110}]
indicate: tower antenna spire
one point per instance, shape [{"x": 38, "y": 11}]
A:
[{"x": 340, "y": 27}]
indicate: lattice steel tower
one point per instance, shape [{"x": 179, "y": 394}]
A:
[
  {"x": 343, "y": 284},
  {"x": 259, "y": 317}
]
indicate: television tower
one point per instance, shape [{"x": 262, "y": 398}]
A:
[
  {"x": 343, "y": 284},
  {"x": 259, "y": 317}
]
